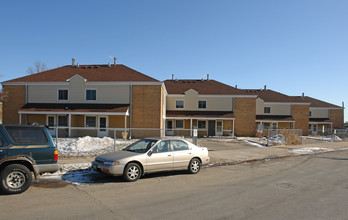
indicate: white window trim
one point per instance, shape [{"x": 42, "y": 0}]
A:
[
  {"x": 54, "y": 121},
  {"x": 58, "y": 94},
  {"x": 183, "y": 103},
  {"x": 270, "y": 110},
  {"x": 96, "y": 121},
  {"x": 183, "y": 123},
  {"x": 58, "y": 121},
  {"x": 96, "y": 94},
  {"x": 206, "y": 103}
]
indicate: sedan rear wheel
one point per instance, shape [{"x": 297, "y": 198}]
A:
[
  {"x": 194, "y": 166},
  {"x": 132, "y": 172}
]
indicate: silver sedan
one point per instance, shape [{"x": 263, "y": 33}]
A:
[{"x": 152, "y": 155}]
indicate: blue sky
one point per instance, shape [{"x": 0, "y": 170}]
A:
[{"x": 290, "y": 46}]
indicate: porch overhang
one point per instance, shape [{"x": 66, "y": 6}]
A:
[
  {"x": 274, "y": 118},
  {"x": 200, "y": 115},
  {"x": 320, "y": 121},
  {"x": 75, "y": 109}
]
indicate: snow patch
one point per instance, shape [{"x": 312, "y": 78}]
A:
[
  {"x": 254, "y": 144},
  {"x": 309, "y": 150}
]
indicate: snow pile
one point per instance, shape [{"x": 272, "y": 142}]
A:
[
  {"x": 309, "y": 150},
  {"x": 333, "y": 137},
  {"x": 89, "y": 146},
  {"x": 254, "y": 144},
  {"x": 278, "y": 138}
]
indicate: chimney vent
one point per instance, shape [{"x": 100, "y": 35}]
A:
[
  {"x": 109, "y": 65},
  {"x": 302, "y": 95},
  {"x": 73, "y": 62},
  {"x": 77, "y": 65},
  {"x": 265, "y": 87},
  {"x": 115, "y": 59},
  {"x": 172, "y": 77},
  {"x": 208, "y": 77},
  {"x": 236, "y": 86}
]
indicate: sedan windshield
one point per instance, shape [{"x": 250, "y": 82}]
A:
[{"x": 141, "y": 146}]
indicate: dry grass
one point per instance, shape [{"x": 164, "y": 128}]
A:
[{"x": 291, "y": 138}]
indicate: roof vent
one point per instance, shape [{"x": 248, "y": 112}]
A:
[
  {"x": 236, "y": 86},
  {"x": 109, "y": 65},
  {"x": 73, "y": 62},
  {"x": 115, "y": 61},
  {"x": 172, "y": 77},
  {"x": 78, "y": 65},
  {"x": 265, "y": 87},
  {"x": 302, "y": 95},
  {"x": 208, "y": 77},
  {"x": 176, "y": 80}
]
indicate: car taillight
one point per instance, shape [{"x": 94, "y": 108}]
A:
[{"x": 55, "y": 155}]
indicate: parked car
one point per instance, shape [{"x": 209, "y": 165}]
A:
[
  {"x": 24, "y": 150},
  {"x": 152, "y": 155}
]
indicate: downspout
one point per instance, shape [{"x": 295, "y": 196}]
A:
[
  {"x": 130, "y": 110},
  {"x": 26, "y": 101}
]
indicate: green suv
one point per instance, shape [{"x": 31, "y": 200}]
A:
[{"x": 25, "y": 150}]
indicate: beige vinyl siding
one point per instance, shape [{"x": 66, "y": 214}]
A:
[
  {"x": 319, "y": 113},
  {"x": 77, "y": 89},
  {"x": 191, "y": 102},
  {"x": 276, "y": 109}
]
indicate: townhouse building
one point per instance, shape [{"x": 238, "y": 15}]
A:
[
  {"x": 212, "y": 107},
  {"x": 94, "y": 97},
  {"x": 106, "y": 100},
  {"x": 323, "y": 116},
  {"x": 277, "y": 110}
]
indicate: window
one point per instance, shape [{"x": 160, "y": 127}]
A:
[
  {"x": 63, "y": 121},
  {"x": 201, "y": 124},
  {"x": 179, "y": 145},
  {"x": 91, "y": 121},
  {"x": 141, "y": 146},
  {"x": 267, "y": 110},
  {"x": 179, "y": 123},
  {"x": 50, "y": 121},
  {"x": 202, "y": 104},
  {"x": 27, "y": 135},
  {"x": 163, "y": 146},
  {"x": 91, "y": 94},
  {"x": 266, "y": 125},
  {"x": 310, "y": 113},
  {"x": 179, "y": 104},
  {"x": 309, "y": 127},
  {"x": 63, "y": 94}
]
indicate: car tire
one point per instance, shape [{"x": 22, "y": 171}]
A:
[
  {"x": 194, "y": 166},
  {"x": 15, "y": 178},
  {"x": 132, "y": 172}
]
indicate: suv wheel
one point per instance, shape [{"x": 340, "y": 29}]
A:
[{"x": 15, "y": 178}]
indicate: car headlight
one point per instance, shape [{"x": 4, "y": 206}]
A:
[{"x": 111, "y": 163}]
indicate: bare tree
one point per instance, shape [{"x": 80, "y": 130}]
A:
[{"x": 38, "y": 67}]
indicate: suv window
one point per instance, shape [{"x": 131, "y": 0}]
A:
[
  {"x": 180, "y": 145},
  {"x": 27, "y": 135}
]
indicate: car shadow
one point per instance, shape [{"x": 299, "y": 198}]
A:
[{"x": 89, "y": 176}]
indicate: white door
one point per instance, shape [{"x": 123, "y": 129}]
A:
[
  {"x": 169, "y": 128},
  {"x": 219, "y": 130},
  {"x": 103, "y": 125},
  {"x": 314, "y": 129}
]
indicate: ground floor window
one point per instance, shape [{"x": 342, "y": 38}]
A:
[
  {"x": 50, "y": 121},
  {"x": 62, "y": 120},
  {"x": 179, "y": 124},
  {"x": 202, "y": 124},
  {"x": 91, "y": 121}
]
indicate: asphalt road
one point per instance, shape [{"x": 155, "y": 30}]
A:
[{"x": 304, "y": 187}]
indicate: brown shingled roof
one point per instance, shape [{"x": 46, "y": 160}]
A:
[
  {"x": 208, "y": 87},
  {"x": 272, "y": 96},
  {"x": 316, "y": 102},
  {"x": 92, "y": 73},
  {"x": 73, "y": 107},
  {"x": 205, "y": 114}
]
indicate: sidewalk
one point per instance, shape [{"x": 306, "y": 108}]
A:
[{"x": 238, "y": 151}]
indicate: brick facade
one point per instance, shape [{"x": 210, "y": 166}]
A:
[
  {"x": 147, "y": 110},
  {"x": 300, "y": 114},
  {"x": 13, "y": 102},
  {"x": 336, "y": 116},
  {"x": 245, "y": 116}
]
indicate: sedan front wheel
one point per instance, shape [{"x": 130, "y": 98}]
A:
[{"x": 132, "y": 172}]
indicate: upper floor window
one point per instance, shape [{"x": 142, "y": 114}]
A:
[
  {"x": 179, "y": 104},
  {"x": 202, "y": 104},
  {"x": 63, "y": 94},
  {"x": 91, "y": 94},
  {"x": 310, "y": 113},
  {"x": 267, "y": 110}
]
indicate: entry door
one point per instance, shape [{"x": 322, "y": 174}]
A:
[
  {"x": 314, "y": 129},
  {"x": 169, "y": 128},
  {"x": 219, "y": 126},
  {"x": 211, "y": 128},
  {"x": 103, "y": 124}
]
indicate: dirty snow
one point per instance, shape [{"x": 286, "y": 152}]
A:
[
  {"x": 254, "y": 144},
  {"x": 309, "y": 150},
  {"x": 89, "y": 146}
]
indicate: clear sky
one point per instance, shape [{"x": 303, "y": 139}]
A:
[{"x": 291, "y": 46}]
